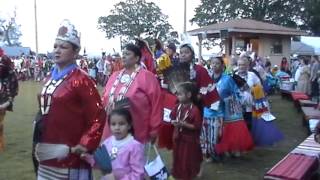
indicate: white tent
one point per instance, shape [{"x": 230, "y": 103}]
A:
[
  {"x": 302, "y": 49},
  {"x": 312, "y": 41}
]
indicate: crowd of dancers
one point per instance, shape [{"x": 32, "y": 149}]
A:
[{"x": 204, "y": 111}]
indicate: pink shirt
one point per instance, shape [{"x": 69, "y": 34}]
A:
[
  {"x": 145, "y": 104},
  {"x": 130, "y": 161}
]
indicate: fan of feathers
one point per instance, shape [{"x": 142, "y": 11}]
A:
[{"x": 175, "y": 75}]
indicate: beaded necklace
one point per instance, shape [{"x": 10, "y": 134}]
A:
[
  {"x": 127, "y": 81},
  {"x": 46, "y": 94},
  {"x": 186, "y": 114}
]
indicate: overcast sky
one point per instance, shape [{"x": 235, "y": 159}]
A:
[{"x": 84, "y": 14}]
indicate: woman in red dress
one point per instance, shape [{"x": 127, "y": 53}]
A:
[{"x": 71, "y": 114}]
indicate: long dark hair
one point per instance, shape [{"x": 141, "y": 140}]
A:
[
  {"x": 221, "y": 61},
  {"x": 158, "y": 45},
  {"x": 124, "y": 112},
  {"x": 134, "y": 48},
  {"x": 189, "y": 46},
  {"x": 192, "y": 88}
]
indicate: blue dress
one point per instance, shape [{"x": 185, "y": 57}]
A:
[{"x": 229, "y": 109}]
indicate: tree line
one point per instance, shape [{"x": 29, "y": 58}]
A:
[{"x": 141, "y": 19}]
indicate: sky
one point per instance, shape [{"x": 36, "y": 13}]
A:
[{"x": 84, "y": 15}]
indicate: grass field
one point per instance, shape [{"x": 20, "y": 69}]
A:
[{"x": 16, "y": 163}]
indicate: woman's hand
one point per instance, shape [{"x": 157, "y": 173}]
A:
[
  {"x": 78, "y": 149},
  {"x": 174, "y": 122},
  {"x": 179, "y": 124}
]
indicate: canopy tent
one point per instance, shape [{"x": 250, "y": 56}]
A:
[{"x": 301, "y": 48}]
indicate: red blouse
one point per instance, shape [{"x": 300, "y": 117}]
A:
[{"x": 76, "y": 116}]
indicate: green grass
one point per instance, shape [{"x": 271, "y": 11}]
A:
[{"x": 16, "y": 163}]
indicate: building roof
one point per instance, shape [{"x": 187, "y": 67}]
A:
[
  {"x": 301, "y": 48},
  {"x": 247, "y": 26}
]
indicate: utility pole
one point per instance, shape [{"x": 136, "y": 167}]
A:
[
  {"x": 185, "y": 17},
  {"x": 36, "y": 27}
]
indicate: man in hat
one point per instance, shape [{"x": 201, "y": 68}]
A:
[{"x": 8, "y": 90}]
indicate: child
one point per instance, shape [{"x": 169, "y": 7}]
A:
[
  {"x": 127, "y": 154},
  {"x": 187, "y": 155}
]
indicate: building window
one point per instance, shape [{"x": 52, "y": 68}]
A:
[{"x": 276, "y": 47}]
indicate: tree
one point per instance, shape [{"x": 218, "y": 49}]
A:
[
  {"x": 282, "y": 12},
  {"x": 10, "y": 31},
  {"x": 135, "y": 18},
  {"x": 312, "y": 16}
]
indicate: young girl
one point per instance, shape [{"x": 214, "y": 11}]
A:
[
  {"x": 127, "y": 154},
  {"x": 187, "y": 154}
]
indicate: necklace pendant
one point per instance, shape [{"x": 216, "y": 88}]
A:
[
  {"x": 114, "y": 153},
  {"x": 125, "y": 78}
]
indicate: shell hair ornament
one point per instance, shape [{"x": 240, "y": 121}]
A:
[{"x": 67, "y": 32}]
